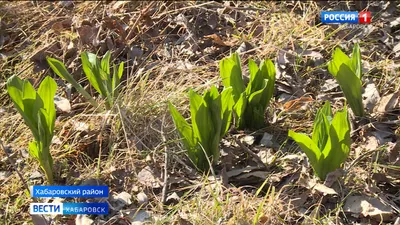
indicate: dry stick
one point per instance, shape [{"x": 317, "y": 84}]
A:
[
  {"x": 19, "y": 174},
  {"x": 246, "y": 149},
  {"x": 165, "y": 187}
]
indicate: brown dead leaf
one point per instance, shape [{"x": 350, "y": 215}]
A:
[
  {"x": 314, "y": 185},
  {"x": 388, "y": 103},
  {"x": 296, "y": 104},
  {"x": 324, "y": 189},
  {"x": 367, "y": 207},
  {"x": 333, "y": 176},
  {"x": 236, "y": 172},
  {"x": 217, "y": 40},
  {"x": 148, "y": 178},
  {"x": 394, "y": 154},
  {"x": 301, "y": 199},
  {"x": 372, "y": 143},
  {"x": 88, "y": 35},
  {"x": 370, "y": 97},
  {"x": 62, "y": 25},
  {"x": 259, "y": 174},
  {"x": 115, "y": 25}
]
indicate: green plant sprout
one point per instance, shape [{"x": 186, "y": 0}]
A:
[
  {"x": 330, "y": 144},
  {"x": 348, "y": 73},
  {"x": 98, "y": 74},
  {"x": 39, "y": 113},
  {"x": 210, "y": 116},
  {"x": 251, "y": 101}
]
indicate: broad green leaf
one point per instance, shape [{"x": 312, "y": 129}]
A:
[
  {"x": 59, "y": 69},
  {"x": 91, "y": 70},
  {"x": 236, "y": 58},
  {"x": 115, "y": 83},
  {"x": 15, "y": 87},
  {"x": 44, "y": 135},
  {"x": 255, "y": 98},
  {"x": 338, "y": 145},
  {"x": 239, "y": 109},
  {"x": 33, "y": 150},
  {"x": 46, "y": 91},
  {"x": 267, "y": 70},
  {"x": 105, "y": 63},
  {"x": 338, "y": 58},
  {"x": 189, "y": 140},
  {"x": 184, "y": 129},
  {"x": 226, "y": 111},
  {"x": 205, "y": 126},
  {"x": 106, "y": 78},
  {"x": 256, "y": 80},
  {"x": 309, "y": 148},
  {"x": 195, "y": 101},
  {"x": 356, "y": 61},
  {"x": 213, "y": 100},
  {"x": 256, "y": 113},
  {"x": 231, "y": 75},
  {"x": 321, "y": 125},
  {"x": 120, "y": 69},
  {"x": 26, "y": 100},
  {"x": 351, "y": 87}
]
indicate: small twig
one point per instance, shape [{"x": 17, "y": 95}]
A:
[
  {"x": 246, "y": 149},
  {"x": 165, "y": 187}
]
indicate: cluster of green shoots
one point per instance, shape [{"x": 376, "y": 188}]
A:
[
  {"x": 37, "y": 107},
  {"x": 98, "y": 74},
  {"x": 211, "y": 114},
  {"x": 330, "y": 143}
]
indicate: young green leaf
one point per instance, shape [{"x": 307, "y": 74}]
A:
[
  {"x": 338, "y": 145},
  {"x": 183, "y": 127},
  {"x": 348, "y": 73},
  {"x": 309, "y": 147},
  {"x": 210, "y": 116},
  {"x": 59, "y": 69},
  {"x": 38, "y": 112},
  {"x": 321, "y": 125},
  {"x": 105, "y": 63},
  {"x": 24, "y": 96},
  {"x": 92, "y": 71},
  {"x": 226, "y": 109},
  {"x": 250, "y": 101},
  {"x": 231, "y": 74},
  {"x": 267, "y": 70},
  {"x": 47, "y": 89},
  {"x": 351, "y": 87},
  {"x": 356, "y": 61},
  {"x": 330, "y": 143},
  {"x": 239, "y": 109}
]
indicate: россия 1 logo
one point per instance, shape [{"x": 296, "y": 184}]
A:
[{"x": 338, "y": 17}]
